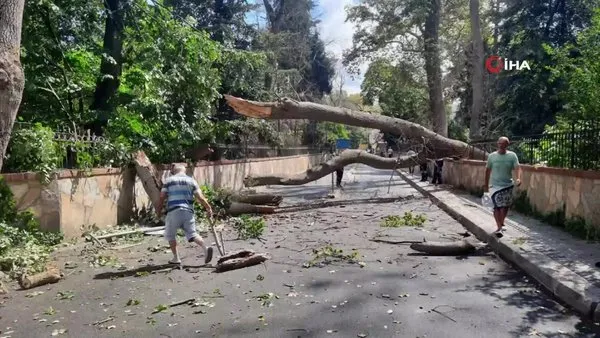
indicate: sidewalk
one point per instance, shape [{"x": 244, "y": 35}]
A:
[{"x": 562, "y": 263}]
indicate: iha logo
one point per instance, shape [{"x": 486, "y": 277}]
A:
[{"x": 494, "y": 64}]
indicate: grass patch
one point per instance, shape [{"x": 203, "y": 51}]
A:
[
  {"x": 407, "y": 220},
  {"x": 329, "y": 254},
  {"x": 248, "y": 227}
]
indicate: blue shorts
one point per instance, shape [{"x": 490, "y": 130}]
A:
[{"x": 180, "y": 219}]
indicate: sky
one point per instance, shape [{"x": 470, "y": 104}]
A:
[
  {"x": 335, "y": 32},
  {"x": 337, "y": 35}
]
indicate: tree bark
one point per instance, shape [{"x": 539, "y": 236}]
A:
[
  {"x": 110, "y": 68},
  {"x": 444, "y": 248},
  {"x": 433, "y": 68},
  {"x": 12, "y": 78},
  {"x": 240, "y": 259},
  {"x": 477, "y": 84},
  {"x": 256, "y": 199},
  {"x": 149, "y": 177},
  {"x": 52, "y": 275},
  {"x": 345, "y": 158},
  {"x": 434, "y": 144}
]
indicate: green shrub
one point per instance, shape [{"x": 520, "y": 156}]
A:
[
  {"x": 24, "y": 247},
  {"x": 33, "y": 149}
]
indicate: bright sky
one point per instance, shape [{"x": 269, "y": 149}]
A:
[
  {"x": 335, "y": 32},
  {"x": 337, "y": 35}
]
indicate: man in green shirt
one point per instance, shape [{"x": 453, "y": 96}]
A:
[{"x": 500, "y": 165}]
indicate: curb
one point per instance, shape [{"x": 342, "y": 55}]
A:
[{"x": 563, "y": 283}]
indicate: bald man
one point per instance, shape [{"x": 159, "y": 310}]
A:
[
  {"x": 179, "y": 191},
  {"x": 499, "y": 180}
]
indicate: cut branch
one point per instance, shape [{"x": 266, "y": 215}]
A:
[
  {"x": 445, "y": 248},
  {"x": 434, "y": 145}
]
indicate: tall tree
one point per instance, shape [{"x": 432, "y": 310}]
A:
[
  {"x": 112, "y": 63},
  {"x": 409, "y": 30},
  {"x": 12, "y": 78},
  {"x": 477, "y": 70}
]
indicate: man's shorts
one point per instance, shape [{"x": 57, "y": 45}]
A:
[{"x": 180, "y": 219}]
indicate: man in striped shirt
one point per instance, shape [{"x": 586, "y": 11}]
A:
[{"x": 179, "y": 191}]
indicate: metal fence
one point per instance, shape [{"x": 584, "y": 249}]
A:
[{"x": 578, "y": 148}]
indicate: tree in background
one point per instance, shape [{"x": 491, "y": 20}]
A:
[{"x": 11, "y": 72}]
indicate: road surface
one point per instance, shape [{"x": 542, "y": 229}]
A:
[{"x": 393, "y": 292}]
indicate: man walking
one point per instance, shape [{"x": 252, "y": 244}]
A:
[
  {"x": 500, "y": 165},
  {"x": 179, "y": 190}
]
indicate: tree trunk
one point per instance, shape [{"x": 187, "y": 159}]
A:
[
  {"x": 240, "y": 259},
  {"x": 110, "y": 68},
  {"x": 256, "y": 199},
  {"x": 434, "y": 145},
  {"x": 444, "y": 248},
  {"x": 477, "y": 71},
  {"x": 12, "y": 78},
  {"x": 51, "y": 275},
  {"x": 433, "y": 69},
  {"x": 149, "y": 177},
  {"x": 345, "y": 158}
]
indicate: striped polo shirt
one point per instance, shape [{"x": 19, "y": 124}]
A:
[{"x": 180, "y": 190}]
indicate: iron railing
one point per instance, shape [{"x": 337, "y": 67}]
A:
[{"x": 578, "y": 148}]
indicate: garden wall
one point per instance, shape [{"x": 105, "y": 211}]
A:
[
  {"x": 106, "y": 197},
  {"x": 548, "y": 190}
]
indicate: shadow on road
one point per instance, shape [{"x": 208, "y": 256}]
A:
[
  {"x": 141, "y": 271},
  {"x": 515, "y": 289}
]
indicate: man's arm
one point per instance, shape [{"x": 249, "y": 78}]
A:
[
  {"x": 518, "y": 170},
  {"x": 488, "y": 172},
  {"x": 161, "y": 202},
  {"x": 202, "y": 200}
]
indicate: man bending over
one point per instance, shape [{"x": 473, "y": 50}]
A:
[
  {"x": 500, "y": 165},
  {"x": 179, "y": 190}
]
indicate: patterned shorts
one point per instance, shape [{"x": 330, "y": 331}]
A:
[{"x": 503, "y": 197}]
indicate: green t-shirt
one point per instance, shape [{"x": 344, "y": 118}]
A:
[{"x": 502, "y": 166}]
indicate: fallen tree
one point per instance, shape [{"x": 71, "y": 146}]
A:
[
  {"x": 345, "y": 158},
  {"x": 239, "y": 202},
  {"x": 432, "y": 145}
]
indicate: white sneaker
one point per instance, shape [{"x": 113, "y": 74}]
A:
[{"x": 175, "y": 261}]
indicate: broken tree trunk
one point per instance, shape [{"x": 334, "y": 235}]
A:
[
  {"x": 52, "y": 275},
  {"x": 345, "y": 158},
  {"x": 243, "y": 202},
  {"x": 149, "y": 177},
  {"x": 444, "y": 248},
  {"x": 434, "y": 145},
  {"x": 240, "y": 259}
]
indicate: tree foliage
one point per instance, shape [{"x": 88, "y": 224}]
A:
[{"x": 176, "y": 58}]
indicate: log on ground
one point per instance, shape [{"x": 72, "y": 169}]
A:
[
  {"x": 236, "y": 209},
  {"x": 239, "y": 260},
  {"x": 256, "y": 199},
  {"x": 51, "y": 275},
  {"x": 445, "y": 248}
]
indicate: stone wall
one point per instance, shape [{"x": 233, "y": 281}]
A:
[
  {"x": 105, "y": 197},
  {"x": 548, "y": 189}
]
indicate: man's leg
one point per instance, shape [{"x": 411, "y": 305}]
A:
[
  {"x": 189, "y": 227},
  {"x": 171, "y": 227}
]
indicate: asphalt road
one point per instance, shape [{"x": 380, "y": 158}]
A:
[{"x": 395, "y": 293}]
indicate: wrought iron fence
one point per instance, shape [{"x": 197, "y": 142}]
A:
[{"x": 578, "y": 148}]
